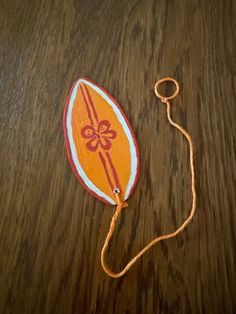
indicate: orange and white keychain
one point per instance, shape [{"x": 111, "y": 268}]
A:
[{"x": 104, "y": 154}]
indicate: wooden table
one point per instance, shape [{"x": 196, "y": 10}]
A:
[{"x": 51, "y": 229}]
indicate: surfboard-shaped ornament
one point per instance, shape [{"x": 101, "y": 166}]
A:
[{"x": 100, "y": 142}]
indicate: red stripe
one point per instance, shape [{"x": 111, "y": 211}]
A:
[
  {"x": 129, "y": 126},
  {"x": 106, "y": 170},
  {"x": 113, "y": 169},
  {"x": 87, "y": 106},
  {"x": 91, "y": 104},
  {"x": 83, "y": 183}
]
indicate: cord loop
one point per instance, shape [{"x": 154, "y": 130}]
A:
[{"x": 121, "y": 204}]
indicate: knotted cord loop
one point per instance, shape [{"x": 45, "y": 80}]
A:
[
  {"x": 121, "y": 204},
  {"x": 119, "y": 201}
]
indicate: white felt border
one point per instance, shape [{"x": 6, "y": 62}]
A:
[{"x": 134, "y": 158}]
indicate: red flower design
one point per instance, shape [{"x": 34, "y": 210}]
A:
[{"x": 102, "y": 136}]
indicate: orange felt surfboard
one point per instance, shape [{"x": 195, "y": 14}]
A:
[{"x": 100, "y": 142}]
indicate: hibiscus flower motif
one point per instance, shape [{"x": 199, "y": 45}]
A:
[{"x": 101, "y": 136}]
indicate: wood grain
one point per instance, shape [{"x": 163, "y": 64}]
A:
[{"x": 51, "y": 229}]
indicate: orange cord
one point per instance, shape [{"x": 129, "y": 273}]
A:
[{"x": 121, "y": 204}]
